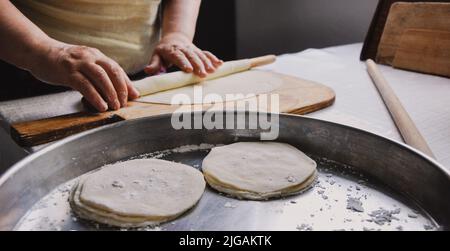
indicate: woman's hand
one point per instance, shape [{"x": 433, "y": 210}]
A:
[
  {"x": 98, "y": 78},
  {"x": 101, "y": 80},
  {"x": 176, "y": 49}
]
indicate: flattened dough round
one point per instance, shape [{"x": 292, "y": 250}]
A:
[
  {"x": 258, "y": 170},
  {"x": 247, "y": 83},
  {"x": 137, "y": 192}
]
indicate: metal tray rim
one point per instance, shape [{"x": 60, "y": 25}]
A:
[{"x": 13, "y": 169}]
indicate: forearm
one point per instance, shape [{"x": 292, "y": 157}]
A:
[
  {"x": 180, "y": 17},
  {"x": 22, "y": 41}
]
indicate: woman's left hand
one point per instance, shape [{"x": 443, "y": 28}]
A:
[{"x": 177, "y": 49}]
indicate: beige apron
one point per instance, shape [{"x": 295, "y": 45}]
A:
[{"x": 125, "y": 30}]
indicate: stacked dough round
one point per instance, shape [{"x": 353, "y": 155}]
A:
[
  {"x": 137, "y": 193},
  {"x": 144, "y": 192},
  {"x": 259, "y": 170}
]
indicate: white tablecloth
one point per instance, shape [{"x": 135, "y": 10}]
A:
[{"x": 358, "y": 103}]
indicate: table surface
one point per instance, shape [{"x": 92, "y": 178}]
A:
[{"x": 358, "y": 103}]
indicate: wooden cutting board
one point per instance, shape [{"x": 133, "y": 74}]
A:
[
  {"x": 424, "y": 51},
  {"x": 296, "y": 96},
  {"x": 408, "y": 16}
]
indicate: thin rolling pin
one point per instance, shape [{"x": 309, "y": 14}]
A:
[
  {"x": 404, "y": 123},
  {"x": 263, "y": 60},
  {"x": 179, "y": 79}
]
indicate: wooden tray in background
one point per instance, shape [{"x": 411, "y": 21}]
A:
[{"x": 373, "y": 37}]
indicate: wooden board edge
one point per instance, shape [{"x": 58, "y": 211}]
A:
[
  {"x": 314, "y": 107},
  {"x": 26, "y": 138}
]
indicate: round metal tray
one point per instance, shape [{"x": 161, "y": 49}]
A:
[{"x": 366, "y": 182}]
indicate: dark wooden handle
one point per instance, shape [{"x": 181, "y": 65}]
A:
[{"x": 32, "y": 133}]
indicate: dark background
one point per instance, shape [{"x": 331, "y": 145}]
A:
[{"x": 247, "y": 28}]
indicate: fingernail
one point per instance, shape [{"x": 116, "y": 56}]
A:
[
  {"x": 124, "y": 98},
  {"x": 104, "y": 106},
  {"x": 201, "y": 73},
  {"x": 135, "y": 93},
  {"x": 116, "y": 105}
]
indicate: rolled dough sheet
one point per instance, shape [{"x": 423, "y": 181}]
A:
[
  {"x": 240, "y": 85},
  {"x": 137, "y": 192},
  {"x": 258, "y": 170}
]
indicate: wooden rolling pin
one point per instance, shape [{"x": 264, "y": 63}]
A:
[
  {"x": 404, "y": 123},
  {"x": 173, "y": 80},
  {"x": 179, "y": 79}
]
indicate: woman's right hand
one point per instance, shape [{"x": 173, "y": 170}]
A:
[{"x": 97, "y": 77}]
